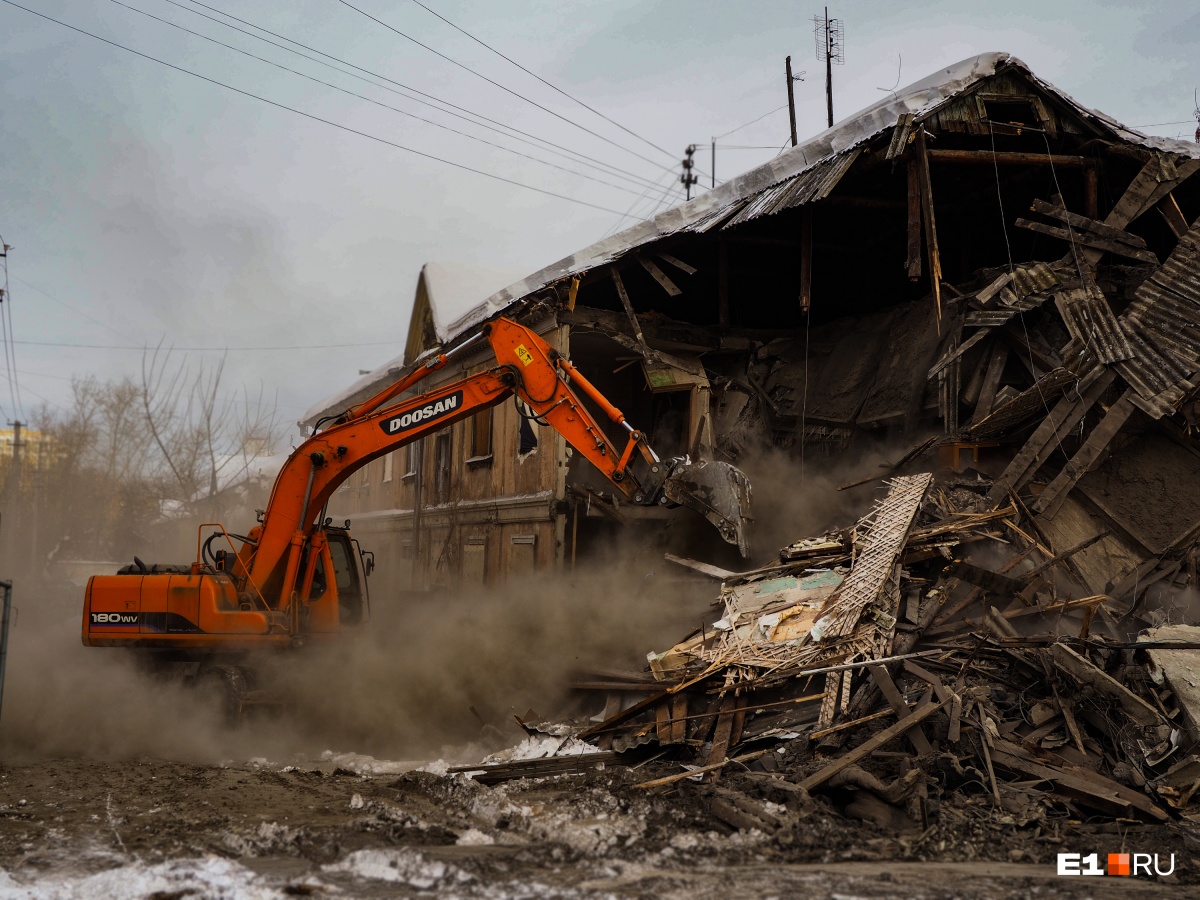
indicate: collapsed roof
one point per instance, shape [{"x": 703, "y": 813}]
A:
[{"x": 800, "y": 176}]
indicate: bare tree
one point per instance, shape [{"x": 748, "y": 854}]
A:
[{"x": 204, "y": 434}]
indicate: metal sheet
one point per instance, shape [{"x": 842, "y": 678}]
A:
[
  {"x": 1090, "y": 320},
  {"x": 807, "y": 187}
]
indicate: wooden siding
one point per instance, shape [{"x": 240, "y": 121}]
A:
[{"x": 500, "y": 505}]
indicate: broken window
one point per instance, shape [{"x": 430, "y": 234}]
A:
[
  {"x": 479, "y": 437},
  {"x": 412, "y": 459},
  {"x": 387, "y": 468},
  {"x": 1011, "y": 110},
  {"x": 441, "y": 469},
  {"x": 527, "y": 440}
]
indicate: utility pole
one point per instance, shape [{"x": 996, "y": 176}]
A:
[
  {"x": 687, "y": 179},
  {"x": 791, "y": 98},
  {"x": 830, "y": 39},
  {"x": 1196, "y": 113},
  {"x": 13, "y": 489}
]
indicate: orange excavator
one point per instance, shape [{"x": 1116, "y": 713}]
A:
[{"x": 296, "y": 578}]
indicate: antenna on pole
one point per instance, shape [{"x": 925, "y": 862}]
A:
[
  {"x": 830, "y": 39},
  {"x": 688, "y": 178}
]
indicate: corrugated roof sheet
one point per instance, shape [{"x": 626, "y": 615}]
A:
[
  {"x": 1163, "y": 328},
  {"x": 807, "y": 187},
  {"x": 799, "y": 175},
  {"x": 1090, "y": 320}
]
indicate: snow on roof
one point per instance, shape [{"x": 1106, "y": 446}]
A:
[
  {"x": 919, "y": 99},
  {"x": 454, "y": 289}
]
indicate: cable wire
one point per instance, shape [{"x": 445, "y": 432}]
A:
[
  {"x": 553, "y": 87},
  {"x": 431, "y": 100},
  {"x": 315, "y": 118},
  {"x": 375, "y": 102},
  {"x": 209, "y": 349},
  {"x": 717, "y": 137},
  {"x": 507, "y": 90}
]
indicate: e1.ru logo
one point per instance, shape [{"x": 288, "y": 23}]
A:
[{"x": 1118, "y": 864}]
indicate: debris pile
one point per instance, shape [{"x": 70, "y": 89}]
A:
[
  {"x": 1009, "y": 628},
  {"x": 889, "y": 660}
]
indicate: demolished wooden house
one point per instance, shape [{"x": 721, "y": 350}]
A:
[{"x": 976, "y": 266}]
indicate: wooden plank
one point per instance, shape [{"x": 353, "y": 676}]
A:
[
  {"x": 988, "y": 158},
  {"x": 702, "y": 567},
  {"x": 662, "y": 721},
  {"x": 900, "y": 136},
  {"x": 958, "y": 351},
  {"x": 1069, "y": 718},
  {"x": 1066, "y": 414},
  {"x": 679, "y": 711},
  {"x": 1081, "y": 463},
  {"x": 659, "y": 275},
  {"x": 680, "y": 776},
  {"x": 633, "y": 319},
  {"x": 990, "y": 384},
  {"x": 879, "y": 674},
  {"x": 1169, "y": 209},
  {"x": 1086, "y": 674},
  {"x": 914, "y": 221},
  {"x": 919, "y": 715},
  {"x": 931, "y": 241},
  {"x": 723, "y": 732},
  {"x": 1100, "y": 792},
  {"x": 1098, "y": 228},
  {"x": 1087, "y": 240},
  {"x": 677, "y": 263},
  {"x": 1091, "y": 194}
]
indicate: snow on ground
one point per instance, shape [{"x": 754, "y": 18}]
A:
[{"x": 209, "y": 876}]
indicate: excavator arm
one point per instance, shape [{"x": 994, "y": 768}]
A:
[{"x": 527, "y": 367}]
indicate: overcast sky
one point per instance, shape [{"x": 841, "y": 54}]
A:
[{"x": 146, "y": 204}]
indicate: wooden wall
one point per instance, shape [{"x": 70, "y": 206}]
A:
[{"x": 443, "y": 514}]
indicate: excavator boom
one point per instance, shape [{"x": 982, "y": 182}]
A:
[{"x": 278, "y": 585}]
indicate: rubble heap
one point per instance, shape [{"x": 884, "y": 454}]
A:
[{"x": 881, "y": 660}]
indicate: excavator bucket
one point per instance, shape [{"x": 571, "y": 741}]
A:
[{"x": 719, "y": 492}]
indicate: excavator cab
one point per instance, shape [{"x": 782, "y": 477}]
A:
[{"x": 336, "y": 595}]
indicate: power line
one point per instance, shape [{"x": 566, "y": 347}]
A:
[
  {"x": 73, "y": 309},
  {"x": 507, "y": 90},
  {"x": 431, "y": 100},
  {"x": 206, "y": 349},
  {"x": 315, "y": 118},
  {"x": 717, "y": 137},
  {"x": 375, "y": 102},
  {"x": 540, "y": 143},
  {"x": 541, "y": 79}
]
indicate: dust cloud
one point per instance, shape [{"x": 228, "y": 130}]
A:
[
  {"x": 796, "y": 497},
  {"x": 421, "y": 678},
  {"x": 426, "y": 674}
]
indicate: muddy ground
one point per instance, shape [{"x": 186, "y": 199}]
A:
[
  {"x": 158, "y": 829},
  {"x": 112, "y": 785}
]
